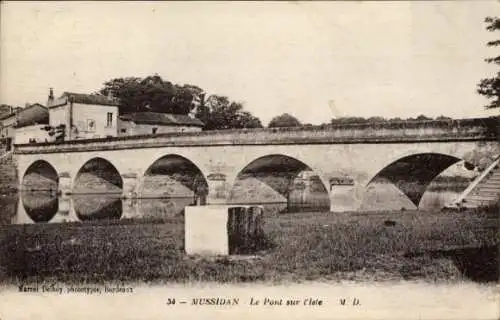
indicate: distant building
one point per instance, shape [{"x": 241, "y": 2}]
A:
[
  {"x": 29, "y": 125},
  {"x": 7, "y": 121},
  {"x": 7, "y": 126},
  {"x": 141, "y": 123},
  {"x": 24, "y": 125},
  {"x": 6, "y": 110},
  {"x": 85, "y": 116}
]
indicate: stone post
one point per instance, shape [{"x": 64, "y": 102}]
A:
[
  {"x": 205, "y": 230},
  {"x": 223, "y": 230}
]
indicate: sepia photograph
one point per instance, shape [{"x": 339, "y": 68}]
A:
[{"x": 249, "y": 159}]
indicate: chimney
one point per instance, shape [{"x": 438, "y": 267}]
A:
[
  {"x": 110, "y": 95},
  {"x": 51, "y": 97}
]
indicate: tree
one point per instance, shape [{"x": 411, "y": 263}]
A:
[
  {"x": 376, "y": 119},
  {"x": 396, "y": 119},
  {"x": 219, "y": 113},
  {"x": 155, "y": 94},
  {"x": 358, "y": 120},
  {"x": 422, "y": 117},
  {"x": 284, "y": 120},
  {"x": 152, "y": 94},
  {"x": 443, "y": 118},
  {"x": 348, "y": 120},
  {"x": 490, "y": 87}
]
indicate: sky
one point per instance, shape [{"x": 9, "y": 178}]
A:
[{"x": 314, "y": 60}]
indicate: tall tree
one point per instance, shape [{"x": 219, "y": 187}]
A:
[
  {"x": 284, "y": 120},
  {"x": 423, "y": 117},
  {"x": 152, "y": 94},
  {"x": 490, "y": 87},
  {"x": 219, "y": 113}
]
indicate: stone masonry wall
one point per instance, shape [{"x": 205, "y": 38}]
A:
[{"x": 8, "y": 174}]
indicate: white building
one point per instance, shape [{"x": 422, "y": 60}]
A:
[
  {"x": 85, "y": 116},
  {"x": 142, "y": 123},
  {"x": 30, "y": 124},
  {"x": 25, "y": 125}
]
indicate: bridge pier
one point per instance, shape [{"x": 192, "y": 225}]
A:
[
  {"x": 21, "y": 216},
  {"x": 218, "y": 189},
  {"x": 130, "y": 209},
  {"x": 345, "y": 195},
  {"x": 130, "y": 182},
  {"x": 65, "y": 183},
  {"x": 65, "y": 211}
]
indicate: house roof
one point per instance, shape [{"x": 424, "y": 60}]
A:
[
  {"x": 83, "y": 98},
  {"x": 10, "y": 114},
  {"x": 34, "y": 114},
  {"x": 161, "y": 119}
]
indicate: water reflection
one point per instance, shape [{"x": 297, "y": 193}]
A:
[
  {"x": 97, "y": 207},
  {"x": 162, "y": 208},
  {"x": 40, "y": 206},
  {"x": 44, "y": 206}
]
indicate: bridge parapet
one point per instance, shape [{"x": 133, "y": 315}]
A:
[{"x": 382, "y": 132}]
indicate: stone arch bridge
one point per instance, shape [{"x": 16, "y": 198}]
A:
[{"x": 344, "y": 159}]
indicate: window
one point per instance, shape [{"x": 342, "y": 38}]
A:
[
  {"x": 90, "y": 125},
  {"x": 123, "y": 130},
  {"x": 154, "y": 130},
  {"x": 109, "y": 119}
]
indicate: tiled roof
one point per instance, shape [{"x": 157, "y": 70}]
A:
[
  {"x": 96, "y": 99},
  {"x": 34, "y": 114},
  {"x": 161, "y": 119},
  {"x": 9, "y": 114}
]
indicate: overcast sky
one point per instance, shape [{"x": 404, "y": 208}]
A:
[{"x": 392, "y": 59}]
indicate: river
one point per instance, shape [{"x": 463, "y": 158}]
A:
[{"x": 38, "y": 207}]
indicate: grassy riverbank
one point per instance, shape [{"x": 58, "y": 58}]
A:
[{"x": 303, "y": 246}]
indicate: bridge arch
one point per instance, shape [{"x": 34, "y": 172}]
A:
[
  {"x": 173, "y": 176},
  {"x": 97, "y": 175},
  {"x": 413, "y": 173},
  {"x": 280, "y": 178},
  {"x": 40, "y": 176}
]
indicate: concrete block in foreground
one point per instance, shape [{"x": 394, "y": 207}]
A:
[{"x": 222, "y": 230}]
